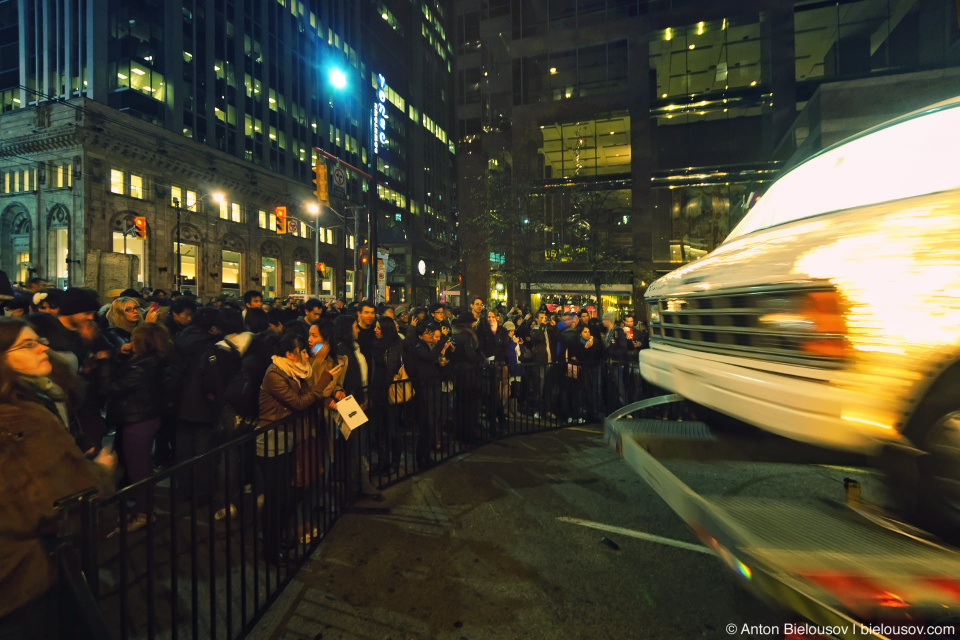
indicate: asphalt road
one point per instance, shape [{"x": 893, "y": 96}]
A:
[{"x": 537, "y": 536}]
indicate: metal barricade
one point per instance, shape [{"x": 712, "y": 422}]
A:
[{"x": 226, "y": 530}]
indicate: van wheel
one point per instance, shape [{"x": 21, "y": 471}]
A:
[{"x": 935, "y": 430}]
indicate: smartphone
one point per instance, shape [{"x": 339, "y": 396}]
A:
[
  {"x": 316, "y": 348},
  {"x": 154, "y": 306}
]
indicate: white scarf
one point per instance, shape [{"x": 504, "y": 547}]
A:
[
  {"x": 293, "y": 369},
  {"x": 362, "y": 361}
]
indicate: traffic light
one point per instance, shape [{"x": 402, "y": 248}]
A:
[
  {"x": 140, "y": 228},
  {"x": 320, "y": 169},
  {"x": 321, "y": 269},
  {"x": 364, "y": 254},
  {"x": 281, "y": 213}
]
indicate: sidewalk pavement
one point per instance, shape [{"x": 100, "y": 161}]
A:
[{"x": 493, "y": 545}]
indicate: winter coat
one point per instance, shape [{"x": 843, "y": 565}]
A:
[
  {"x": 116, "y": 337},
  {"x": 493, "y": 344},
  {"x": 133, "y": 389},
  {"x": 616, "y": 345},
  {"x": 515, "y": 358},
  {"x": 281, "y": 395},
  {"x": 466, "y": 358},
  {"x": 191, "y": 344},
  {"x": 539, "y": 335},
  {"x": 41, "y": 464},
  {"x": 353, "y": 377},
  {"x": 584, "y": 356},
  {"x": 387, "y": 360}
]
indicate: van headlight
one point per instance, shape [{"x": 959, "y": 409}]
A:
[
  {"x": 816, "y": 317},
  {"x": 653, "y": 312}
]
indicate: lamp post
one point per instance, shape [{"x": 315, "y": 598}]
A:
[{"x": 369, "y": 100}]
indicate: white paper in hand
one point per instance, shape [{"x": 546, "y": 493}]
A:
[{"x": 352, "y": 415}]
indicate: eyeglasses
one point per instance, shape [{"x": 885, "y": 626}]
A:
[
  {"x": 30, "y": 344},
  {"x": 132, "y": 310}
]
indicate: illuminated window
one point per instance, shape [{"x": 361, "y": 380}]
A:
[
  {"x": 224, "y": 210},
  {"x": 136, "y": 187},
  {"x": 116, "y": 181},
  {"x": 262, "y": 219},
  {"x": 230, "y": 270},
  {"x": 176, "y": 197},
  {"x": 191, "y": 200},
  {"x": 235, "y": 212}
]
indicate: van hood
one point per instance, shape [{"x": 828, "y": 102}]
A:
[{"x": 886, "y": 250}]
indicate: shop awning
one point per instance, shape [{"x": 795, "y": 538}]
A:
[{"x": 577, "y": 282}]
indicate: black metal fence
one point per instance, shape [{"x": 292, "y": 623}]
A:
[{"x": 228, "y": 529}]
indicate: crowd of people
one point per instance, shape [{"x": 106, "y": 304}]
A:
[{"x": 167, "y": 379}]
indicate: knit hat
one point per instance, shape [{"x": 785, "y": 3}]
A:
[
  {"x": 76, "y": 300},
  {"x": 509, "y": 326}
]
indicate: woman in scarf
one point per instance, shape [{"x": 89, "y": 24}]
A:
[
  {"x": 41, "y": 464},
  {"x": 287, "y": 388}
]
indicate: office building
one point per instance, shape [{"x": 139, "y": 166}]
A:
[
  {"x": 216, "y": 112},
  {"x": 673, "y": 114}
]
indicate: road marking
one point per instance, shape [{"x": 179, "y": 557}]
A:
[
  {"x": 596, "y": 431},
  {"x": 649, "y": 537}
]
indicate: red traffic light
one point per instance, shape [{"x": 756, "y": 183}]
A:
[
  {"x": 321, "y": 268},
  {"x": 140, "y": 227}
]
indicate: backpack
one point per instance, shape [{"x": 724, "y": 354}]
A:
[{"x": 242, "y": 393}]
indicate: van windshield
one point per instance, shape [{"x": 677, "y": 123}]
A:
[{"x": 911, "y": 158}]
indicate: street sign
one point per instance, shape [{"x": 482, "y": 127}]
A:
[
  {"x": 339, "y": 182},
  {"x": 293, "y": 226}
]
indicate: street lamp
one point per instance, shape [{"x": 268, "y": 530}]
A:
[
  {"x": 369, "y": 100},
  {"x": 217, "y": 197}
]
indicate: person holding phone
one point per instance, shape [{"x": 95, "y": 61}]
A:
[{"x": 287, "y": 388}]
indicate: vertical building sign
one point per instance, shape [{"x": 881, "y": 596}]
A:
[{"x": 380, "y": 116}]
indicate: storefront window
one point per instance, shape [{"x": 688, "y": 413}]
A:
[
  {"x": 299, "y": 277},
  {"x": 230, "y": 270},
  {"x": 133, "y": 247},
  {"x": 57, "y": 256},
  {"x": 188, "y": 266},
  {"x": 269, "y": 277}
]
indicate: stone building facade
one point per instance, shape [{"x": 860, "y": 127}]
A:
[{"x": 74, "y": 175}]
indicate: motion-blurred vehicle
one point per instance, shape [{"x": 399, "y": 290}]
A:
[{"x": 831, "y": 314}]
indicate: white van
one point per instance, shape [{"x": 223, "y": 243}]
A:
[{"x": 831, "y": 314}]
